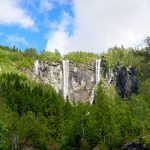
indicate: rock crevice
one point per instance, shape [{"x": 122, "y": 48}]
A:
[{"x": 82, "y": 80}]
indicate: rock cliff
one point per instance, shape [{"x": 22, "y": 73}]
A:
[
  {"x": 124, "y": 80},
  {"x": 82, "y": 80}
]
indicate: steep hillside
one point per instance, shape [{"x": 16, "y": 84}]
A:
[
  {"x": 11, "y": 59},
  {"x": 33, "y": 115}
]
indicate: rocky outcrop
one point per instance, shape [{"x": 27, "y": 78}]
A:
[
  {"x": 124, "y": 80},
  {"x": 82, "y": 79},
  {"x": 81, "y": 82},
  {"x": 134, "y": 146}
]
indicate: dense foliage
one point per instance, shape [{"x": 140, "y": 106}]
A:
[
  {"x": 36, "y": 116},
  {"x": 33, "y": 115},
  {"x": 12, "y": 59},
  {"x": 80, "y": 57},
  {"x": 49, "y": 56},
  {"x": 37, "y": 109},
  {"x": 140, "y": 59}
]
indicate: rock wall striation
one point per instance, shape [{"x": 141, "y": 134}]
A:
[{"x": 82, "y": 80}]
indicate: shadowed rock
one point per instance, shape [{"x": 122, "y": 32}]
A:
[
  {"x": 133, "y": 146},
  {"x": 125, "y": 81},
  {"x": 82, "y": 79}
]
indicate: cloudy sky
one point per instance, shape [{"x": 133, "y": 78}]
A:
[{"x": 68, "y": 25}]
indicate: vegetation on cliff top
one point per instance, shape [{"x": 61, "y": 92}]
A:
[
  {"x": 81, "y": 57},
  {"x": 12, "y": 59}
]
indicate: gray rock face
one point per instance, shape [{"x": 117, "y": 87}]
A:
[
  {"x": 81, "y": 82},
  {"x": 124, "y": 80},
  {"x": 134, "y": 146},
  {"x": 51, "y": 73},
  {"x": 81, "y": 79}
]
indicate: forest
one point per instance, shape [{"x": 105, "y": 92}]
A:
[{"x": 33, "y": 115}]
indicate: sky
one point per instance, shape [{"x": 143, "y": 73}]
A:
[{"x": 73, "y": 25}]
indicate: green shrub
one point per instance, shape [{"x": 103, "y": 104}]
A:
[
  {"x": 4, "y": 145},
  {"x": 30, "y": 52},
  {"x": 49, "y": 56},
  {"x": 81, "y": 57}
]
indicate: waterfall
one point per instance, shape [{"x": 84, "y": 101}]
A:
[
  {"x": 65, "y": 77},
  {"x": 36, "y": 67},
  {"x": 92, "y": 99},
  {"x": 97, "y": 76},
  {"x": 98, "y": 70}
]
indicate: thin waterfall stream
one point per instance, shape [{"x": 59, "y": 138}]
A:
[
  {"x": 36, "y": 67},
  {"x": 98, "y": 70},
  {"x": 97, "y": 78},
  {"x": 65, "y": 78}
]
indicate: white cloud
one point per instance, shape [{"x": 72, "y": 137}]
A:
[
  {"x": 45, "y": 5},
  {"x": 11, "y": 13},
  {"x": 17, "y": 40},
  {"x": 101, "y": 24},
  {"x": 59, "y": 39}
]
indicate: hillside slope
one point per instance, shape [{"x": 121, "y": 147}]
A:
[{"x": 34, "y": 115}]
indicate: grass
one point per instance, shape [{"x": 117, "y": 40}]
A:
[{"x": 12, "y": 61}]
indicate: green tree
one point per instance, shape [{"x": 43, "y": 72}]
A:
[
  {"x": 81, "y": 57},
  {"x": 4, "y": 144},
  {"x": 30, "y": 52},
  {"x": 49, "y": 56},
  {"x": 32, "y": 132}
]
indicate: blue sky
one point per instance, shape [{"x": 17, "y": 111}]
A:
[
  {"x": 41, "y": 17},
  {"x": 70, "y": 25}
]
